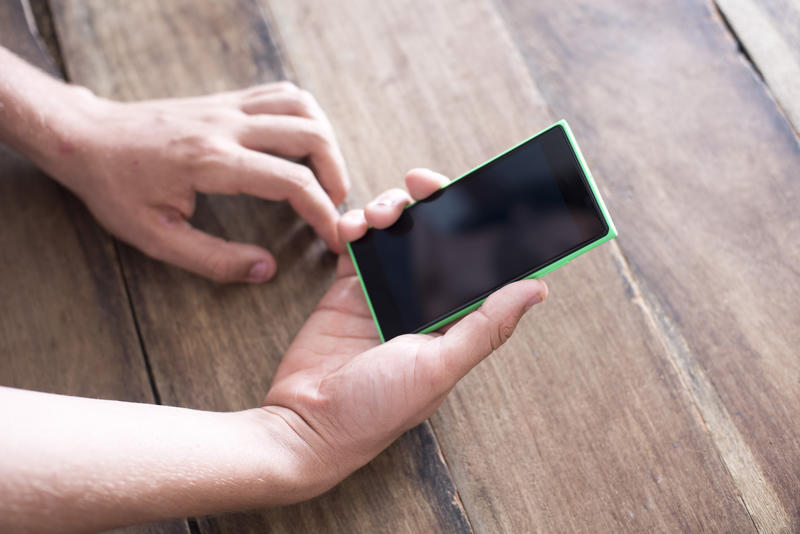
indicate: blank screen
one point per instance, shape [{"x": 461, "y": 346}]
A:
[{"x": 499, "y": 223}]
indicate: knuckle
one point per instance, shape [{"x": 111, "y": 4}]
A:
[
  {"x": 198, "y": 151},
  {"x": 314, "y": 394},
  {"x": 306, "y": 96},
  {"x": 431, "y": 371},
  {"x": 301, "y": 178},
  {"x": 286, "y": 85},
  {"x": 216, "y": 117},
  {"x": 504, "y": 332},
  {"x": 305, "y": 102},
  {"x": 82, "y": 92},
  {"x": 319, "y": 136},
  {"x": 495, "y": 333}
]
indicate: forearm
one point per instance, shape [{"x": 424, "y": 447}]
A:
[
  {"x": 37, "y": 111},
  {"x": 74, "y": 464}
]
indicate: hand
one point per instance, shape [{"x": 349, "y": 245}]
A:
[
  {"x": 344, "y": 396},
  {"x": 138, "y": 166}
]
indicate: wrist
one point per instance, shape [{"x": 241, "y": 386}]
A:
[
  {"x": 45, "y": 119},
  {"x": 30, "y": 104},
  {"x": 66, "y": 141},
  {"x": 308, "y": 466}
]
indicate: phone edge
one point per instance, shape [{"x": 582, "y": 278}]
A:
[
  {"x": 611, "y": 234},
  {"x": 366, "y": 293}
]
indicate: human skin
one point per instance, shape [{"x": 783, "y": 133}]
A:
[
  {"x": 338, "y": 398},
  {"x": 138, "y": 166}
]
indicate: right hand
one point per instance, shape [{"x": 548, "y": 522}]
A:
[{"x": 139, "y": 165}]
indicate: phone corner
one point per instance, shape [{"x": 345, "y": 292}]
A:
[{"x": 612, "y": 232}]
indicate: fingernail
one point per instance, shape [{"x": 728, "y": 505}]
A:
[
  {"x": 386, "y": 203},
  {"x": 258, "y": 273},
  {"x": 533, "y": 302}
]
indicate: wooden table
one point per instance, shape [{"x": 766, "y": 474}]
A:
[{"x": 659, "y": 387}]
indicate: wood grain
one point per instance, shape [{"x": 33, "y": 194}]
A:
[
  {"x": 65, "y": 321},
  {"x": 217, "y": 347},
  {"x": 581, "y": 423},
  {"x": 770, "y": 33},
  {"x": 64, "y": 313},
  {"x": 701, "y": 170}
]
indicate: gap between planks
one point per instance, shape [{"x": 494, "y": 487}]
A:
[
  {"x": 40, "y": 24},
  {"x": 49, "y": 44},
  {"x": 148, "y": 367},
  {"x": 291, "y": 73},
  {"x": 758, "y": 497},
  {"x": 51, "y": 47},
  {"x": 772, "y": 39}
]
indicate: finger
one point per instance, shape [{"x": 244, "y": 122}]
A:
[
  {"x": 386, "y": 208},
  {"x": 344, "y": 267},
  {"x": 299, "y": 103},
  {"x": 483, "y": 331},
  {"x": 352, "y": 225},
  {"x": 297, "y": 137},
  {"x": 210, "y": 256},
  {"x": 274, "y": 178},
  {"x": 422, "y": 183},
  {"x": 283, "y": 86}
]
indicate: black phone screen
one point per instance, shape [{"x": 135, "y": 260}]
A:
[{"x": 501, "y": 222}]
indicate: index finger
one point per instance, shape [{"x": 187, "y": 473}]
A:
[
  {"x": 273, "y": 178},
  {"x": 422, "y": 183},
  {"x": 384, "y": 210},
  {"x": 294, "y": 137}
]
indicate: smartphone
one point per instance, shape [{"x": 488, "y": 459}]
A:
[{"x": 520, "y": 215}]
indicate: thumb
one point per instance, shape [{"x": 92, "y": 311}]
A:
[
  {"x": 212, "y": 257},
  {"x": 483, "y": 331}
]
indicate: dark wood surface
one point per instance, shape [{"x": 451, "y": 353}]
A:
[
  {"x": 217, "y": 347},
  {"x": 658, "y": 388},
  {"x": 702, "y": 172},
  {"x": 65, "y": 315},
  {"x": 552, "y": 432},
  {"x": 65, "y": 319}
]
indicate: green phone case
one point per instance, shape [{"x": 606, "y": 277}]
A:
[{"x": 612, "y": 233}]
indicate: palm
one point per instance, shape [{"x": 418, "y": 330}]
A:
[
  {"x": 346, "y": 395},
  {"x": 339, "y": 328},
  {"x": 349, "y": 390}
]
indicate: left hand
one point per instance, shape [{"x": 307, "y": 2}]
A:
[{"x": 344, "y": 396}]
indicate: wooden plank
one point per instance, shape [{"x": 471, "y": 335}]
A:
[
  {"x": 21, "y": 37},
  {"x": 702, "y": 177},
  {"x": 769, "y": 30},
  {"x": 65, "y": 321},
  {"x": 580, "y": 423},
  {"x": 64, "y": 312},
  {"x": 357, "y": 504},
  {"x": 215, "y": 347},
  {"x": 45, "y": 31}
]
